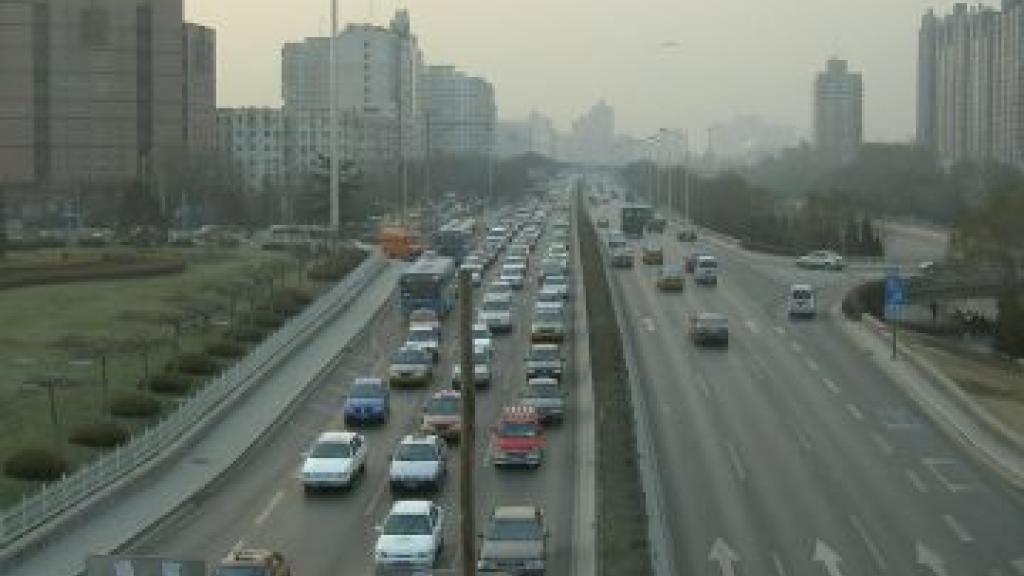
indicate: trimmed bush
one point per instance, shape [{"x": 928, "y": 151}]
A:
[
  {"x": 246, "y": 333},
  {"x": 198, "y": 364},
  {"x": 135, "y": 405},
  {"x": 169, "y": 383},
  {"x": 225, "y": 349},
  {"x": 36, "y": 464},
  {"x": 99, "y": 435}
]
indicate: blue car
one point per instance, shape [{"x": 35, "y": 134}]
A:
[{"x": 368, "y": 400}]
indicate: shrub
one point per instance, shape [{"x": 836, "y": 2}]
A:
[
  {"x": 265, "y": 319},
  {"x": 169, "y": 383},
  {"x": 225, "y": 349},
  {"x": 246, "y": 333},
  {"x": 99, "y": 435},
  {"x": 290, "y": 302},
  {"x": 198, "y": 363},
  {"x": 38, "y": 464},
  {"x": 135, "y": 405}
]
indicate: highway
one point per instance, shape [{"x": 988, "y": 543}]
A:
[
  {"x": 261, "y": 502},
  {"x": 791, "y": 452}
]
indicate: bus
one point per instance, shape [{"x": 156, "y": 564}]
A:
[
  {"x": 400, "y": 242},
  {"x": 428, "y": 283},
  {"x": 635, "y": 218},
  {"x": 455, "y": 239}
]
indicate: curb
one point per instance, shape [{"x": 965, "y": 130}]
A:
[{"x": 979, "y": 450}]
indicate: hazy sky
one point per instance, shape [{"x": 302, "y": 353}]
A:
[{"x": 671, "y": 63}]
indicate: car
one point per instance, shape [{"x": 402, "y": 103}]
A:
[
  {"x": 410, "y": 366},
  {"x": 500, "y": 286},
  {"x": 513, "y": 275},
  {"x": 476, "y": 272},
  {"x": 481, "y": 369},
  {"x": 552, "y": 267},
  {"x": 657, "y": 224},
  {"x": 821, "y": 260},
  {"x": 442, "y": 415},
  {"x": 411, "y": 536},
  {"x": 709, "y": 328},
  {"x": 367, "y": 400},
  {"x": 253, "y": 562},
  {"x": 517, "y": 439},
  {"x": 550, "y": 294},
  {"x": 420, "y": 461},
  {"x": 686, "y": 235},
  {"x": 616, "y": 241},
  {"x": 546, "y": 396},
  {"x": 425, "y": 317},
  {"x": 544, "y": 360},
  {"x": 801, "y": 301},
  {"x": 496, "y": 312},
  {"x": 622, "y": 258},
  {"x": 548, "y": 326},
  {"x": 706, "y": 270},
  {"x": 558, "y": 250},
  {"x": 690, "y": 264},
  {"x": 518, "y": 248},
  {"x": 482, "y": 338},
  {"x": 426, "y": 339},
  {"x": 335, "y": 460},
  {"x": 558, "y": 283},
  {"x": 602, "y": 222},
  {"x": 653, "y": 254},
  {"x": 670, "y": 278},
  {"x": 514, "y": 541}
]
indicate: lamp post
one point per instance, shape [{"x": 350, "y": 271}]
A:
[{"x": 332, "y": 94}]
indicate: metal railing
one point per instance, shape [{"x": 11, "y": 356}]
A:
[{"x": 154, "y": 441}]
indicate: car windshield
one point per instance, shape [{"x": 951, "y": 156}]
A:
[
  {"x": 408, "y": 356},
  {"x": 416, "y": 453},
  {"x": 242, "y": 571},
  {"x": 406, "y": 525},
  {"x": 481, "y": 333},
  {"x": 542, "y": 391},
  {"x": 443, "y": 406},
  {"x": 544, "y": 354},
  {"x": 712, "y": 322},
  {"x": 422, "y": 336},
  {"x": 514, "y": 529},
  {"x": 548, "y": 316},
  {"x": 496, "y": 306},
  {"x": 426, "y": 316},
  {"x": 331, "y": 450},
  {"x": 366, "y": 390},
  {"x": 513, "y": 429},
  {"x": 801, "y": 294},
  {"x": 555, "y": 281}
]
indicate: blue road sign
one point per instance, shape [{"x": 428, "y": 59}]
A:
[{"x": 895, "y": 294}]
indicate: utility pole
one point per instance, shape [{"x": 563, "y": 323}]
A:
[
  {"x": 426, "y": 158},
  {"x": 332, "y": 94},
  {"x": 467, "y": 446},
  {"x": 686, "y": 192}
]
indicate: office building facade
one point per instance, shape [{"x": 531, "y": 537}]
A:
[
  {"x": 838, "y": 112},
  {"x": 458, "y": 112}
]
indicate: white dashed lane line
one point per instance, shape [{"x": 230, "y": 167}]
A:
[
  {"x": 916, "y": 481},
  {"x": 958, "y": 529},
  {"x": 855, "y": 412}
]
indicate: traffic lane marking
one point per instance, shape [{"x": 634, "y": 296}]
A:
[
  {"x": 882, "y": 443},
  {"x": 916, "y": 481},
  {"x": 737, "y": 464},
  {"x": 855, "y": 412},
  {"x": 269, "y": 508},
  {"x": 831, "y": 385},
  {"x": 876, "y": 555},
  {"x": 958, "y": 529}
]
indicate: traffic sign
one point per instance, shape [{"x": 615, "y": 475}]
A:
[{"x": 895, "y": 294}]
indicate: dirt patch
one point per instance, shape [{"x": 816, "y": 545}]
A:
[{"x": 622, "y": 540}]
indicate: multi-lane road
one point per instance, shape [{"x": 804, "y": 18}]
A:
[
  {"x": 261, "y": 503},
  {"x": 791, "y": 452}
]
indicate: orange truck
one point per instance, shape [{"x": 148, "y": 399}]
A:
[{"x": 400, "y": 242}]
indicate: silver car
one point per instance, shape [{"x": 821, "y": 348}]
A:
[{"x": 515, "y": 541}]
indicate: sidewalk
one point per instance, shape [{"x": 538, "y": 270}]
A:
[
  {"x": 106, "y": 527},
  {"x": 968, "y": 423}
]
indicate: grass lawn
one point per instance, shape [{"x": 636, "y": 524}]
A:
[{"x": 33, "y": 319}]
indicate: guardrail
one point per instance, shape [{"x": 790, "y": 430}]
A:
[{"x": 155, "y": 441}]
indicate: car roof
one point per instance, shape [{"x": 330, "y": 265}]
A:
[
  {"x": 807, "y": 287},
  {"x": 419, "y": 439},
  {"x": 417, "y": 507},
  {"x": 497, "y": 296},
  {"x": 409, "y": 348},
  {"x": 710, "y": 316},
  {"x": 517, "y": 512},
  {"x": 480, "y": 326},
  {"x": 447, "y": 393},
  {"x": 369, "y": 380},
  {"x": 706, "y": 257},
  {"x": 545, "y": 346},
  {"x": 519, "y": 413},
  {"x": 542, "y": 382},
  {"x": 336, "y": 436}
]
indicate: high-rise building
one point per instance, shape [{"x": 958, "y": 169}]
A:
[
  {"x": 536, "y": 135},
  {"x": 96, "y": 92},
  {"x": 970, "y": 98},
  {"x": 592, "y": 139},
  {"x": 378, "y": 73},
  {"x": 458, "y": 112},
  {"x": 838, "y": 112}
]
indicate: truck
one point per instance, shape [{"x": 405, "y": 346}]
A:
[
  {"x": 400, "y": 242},
  {"x": 635, "y": 218}
]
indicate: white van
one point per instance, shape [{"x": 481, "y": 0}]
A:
[
  {"x": 801, "y": 300},
  {"x": 705, "y": 271}
]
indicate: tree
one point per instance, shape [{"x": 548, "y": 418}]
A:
[{"x": 312, "y": 202}]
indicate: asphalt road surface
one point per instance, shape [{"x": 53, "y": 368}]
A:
[
  {"x": 790, "y": 452},
  {"x": 261, "y": 503}
]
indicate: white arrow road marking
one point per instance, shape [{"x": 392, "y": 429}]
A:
[
  {"x": 916, "y": 481},
  {"x": 855, "y": 412},
  {"x": 262, "y": 517},
  {"x": 704, "y": 388},
  {"x": 724, "y": 556},
  {"x": 869, "y": 543},
  {"x": 648, "y": 324},
  {"x": 958, "y": 529},
  {"x": 928, "y": 557},
  {"x": 737, "y": 464},
  {"x": 828, "y": 558}
]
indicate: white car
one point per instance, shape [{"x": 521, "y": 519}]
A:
[
  {"x": 496, "y": 312},
  {"x": 421, "y": 461},
  {"x": 513, "y": 276},
  {"x": 425, "y": 338},
  {"x": 558, "y": 284},
  {"x": 334, "y": 461},
  {"x": 482, "y": 338},
  {"x": 801, "y": 301},
  {"x": 821, "y": 260},
  {"x": 410, "y": 537}
]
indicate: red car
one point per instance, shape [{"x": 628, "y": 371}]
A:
[{"x": 517, "y": 439}]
